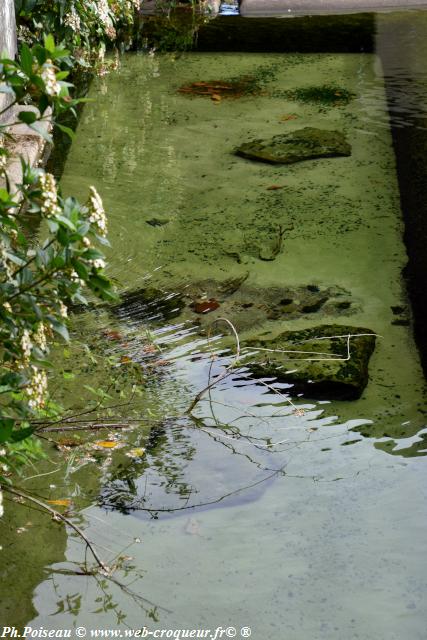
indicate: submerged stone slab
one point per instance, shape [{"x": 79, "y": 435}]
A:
[
  {"x": 298, "y": 7},
  {"x": 325, "y": 362},
  {"x": 304, "y": 144}
]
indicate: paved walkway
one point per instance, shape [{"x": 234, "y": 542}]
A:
[{"x": 301, "y": 7}]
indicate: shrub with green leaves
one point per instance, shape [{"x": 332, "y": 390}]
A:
[
  {"x": 50, "y": 251},
  {"x": 87, "y": 27}
]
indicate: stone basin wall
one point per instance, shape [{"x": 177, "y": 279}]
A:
[
  {"x": 304, "y": 7},
  {"x": 7, "y": 39}
]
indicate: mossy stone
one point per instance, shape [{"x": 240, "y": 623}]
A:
[
  {"x": 331, "y": 376},
  {"x": 304, "y": 144}
]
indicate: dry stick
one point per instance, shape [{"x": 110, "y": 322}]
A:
[
  {"x": 58, "y": 516},
  {"x": 104, "y": 567},
  {"x": 90, "y": 426},
  {"x": 226, "y": 373}
]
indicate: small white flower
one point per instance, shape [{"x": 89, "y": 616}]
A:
[
  {"x": 74, "y": 276},
  {"x": 63, "y": 310},
  {"x": 49, "y": 195},
  {"x": 99, "y": 263},
  {"x": 39, "y": 337},
  {"x": 96, "y": 211},
  {"x": 24, "y": 34},
  {"x": 53, "y": 88},
  {"x": 5, "y": 262},
  {"x": 37, "y": 388},
  {"x": 26, "y": 344},
  {"x": 72, "y": 20}
]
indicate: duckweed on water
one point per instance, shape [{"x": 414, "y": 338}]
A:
[{"x": 326, "y": 95}]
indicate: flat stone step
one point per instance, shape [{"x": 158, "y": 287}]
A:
[{"x": 250, "y": 8}]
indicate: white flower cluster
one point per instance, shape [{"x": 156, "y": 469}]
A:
[
  {"x": 49, "y": 195},
  {"x": 103, "y": 11},
  {"x": 53, "y": 88},
  {"x": 96, "y": 211},
  {"x": 36, "y": 389},
  {"x": 74, "y": 277},
  {"x": 5, "y": 263},
  {"x": 26, "y": 344},
  {"x": 72, "y": 20},
  {"x": 63, "y": 310},
  {"x": 39, "y": 337},
  {"x": 24, "y": 34},
  {"x": 98, "y": 263}
]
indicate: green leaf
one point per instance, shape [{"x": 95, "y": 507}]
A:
[
  {"x": 26, "y": 60},
  {"x": 66, "y": 222},
  {"x": 40, "y": 129},
  {"x": 20, "y": 434},
  {"x": 49, "y": 43},
  {"x": 53, "y": 226},
  {"x": 59, "y": 328},
  {"x": 67, "y": 130},
  {"x": 27, "y": 116},
  {"x": 6, "y": 426}
]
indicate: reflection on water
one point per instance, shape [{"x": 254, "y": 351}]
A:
[{"x": 258, "y": 506}]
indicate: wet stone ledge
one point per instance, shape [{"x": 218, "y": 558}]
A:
[{"x": 298, "y": 7}]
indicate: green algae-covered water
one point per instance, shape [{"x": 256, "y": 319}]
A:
[{"x": 298, "y": 518}]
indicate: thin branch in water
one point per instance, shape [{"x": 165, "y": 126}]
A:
[
  {"x": 226, "y": 373},
  {"x": 58, "y": 516}
]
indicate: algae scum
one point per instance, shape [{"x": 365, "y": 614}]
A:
[{"x": 273, "y": 506}]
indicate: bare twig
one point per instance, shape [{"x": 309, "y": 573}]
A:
[
  {"x": 227, "y": 371},
  {"x": 58, "y": 516}
]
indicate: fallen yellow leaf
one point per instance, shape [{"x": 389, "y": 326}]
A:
[
  {"x": 106, "y": 444},
  {"x": 60, "y": 503}
]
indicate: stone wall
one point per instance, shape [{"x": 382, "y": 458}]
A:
[
  {"x": 306, "y": 7},
  {"x": 7, "y": 38}
]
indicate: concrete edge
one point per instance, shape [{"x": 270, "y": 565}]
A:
[{"x": 26, "y": 144}]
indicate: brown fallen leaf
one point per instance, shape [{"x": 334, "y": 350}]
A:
[
  {"x": 67, "y": 442},
  {"x": 216, "y": 97},
  {"x": 285, "y": 118},
  {"x": 112, "y": 335},
  {"x": 159, "y": 363},
  {"x": 125, "y": 360},
  {"x": 274, "y": 187},
  {"x": 149, "y": 348},
  {"x": 205, "y": 306}
]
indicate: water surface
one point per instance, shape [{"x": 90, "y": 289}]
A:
[{"x": 302, "y": 519}]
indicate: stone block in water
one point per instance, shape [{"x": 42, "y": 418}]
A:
[
  {"x": 323, "y": 362},
  {"x": 304, "y": 144}
]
